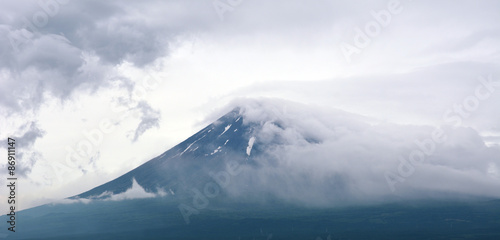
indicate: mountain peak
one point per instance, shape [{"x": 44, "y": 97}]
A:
[
  {"x": 253, "y": 133},
  {"x": 212, "y": 147}
]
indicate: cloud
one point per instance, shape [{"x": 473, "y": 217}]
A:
[
  {"x": 77, "y": 48},
  {"x": 149, "y": 119},
  {"x": 77, "y": 52},
  {"x": 134, "y": 192},
  {"x": 25, "y": 152},
  {"x": 142, "y": 33},
  {"x": 71, "y": 201},
  {"x": 422, "y": 95},
  {"x": 320, "y": 157}
]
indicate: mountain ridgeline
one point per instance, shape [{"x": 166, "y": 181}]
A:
[{"x": 187, "y": 165}]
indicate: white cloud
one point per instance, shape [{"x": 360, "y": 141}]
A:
[
  {"x": 134, "y": 192},
  {"x": 71, "y": 201},
  {"x": 323, "y": 157}
]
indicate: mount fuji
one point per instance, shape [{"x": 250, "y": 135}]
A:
[
  {"x": 184, "y": 166},
  {"x": 261, "y": 172}
]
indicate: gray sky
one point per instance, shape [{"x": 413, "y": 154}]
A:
[{"x": 154, "y": 71}]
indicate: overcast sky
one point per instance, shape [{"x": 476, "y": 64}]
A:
[{"x": 146, "y": 74}]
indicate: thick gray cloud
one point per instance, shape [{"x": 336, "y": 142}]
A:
[
  {"x": 149, "y": 119},
  {"x": 324, "y": 157},
  {"x": 121, "y": 30},
  {"x": 425, "y": 94},
  {"x": 117, "y": 31},
  {"x": 26, "y": 153}
]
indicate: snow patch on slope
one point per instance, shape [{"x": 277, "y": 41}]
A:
[
  {"x": 250, "y": 145},
  {"x": 225, "y": 130},
  {"x": 192, "y": 145},
  {"x": 216, "y": 150}
]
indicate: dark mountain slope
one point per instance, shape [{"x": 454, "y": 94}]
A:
[{"x": 188, "y": 163}]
